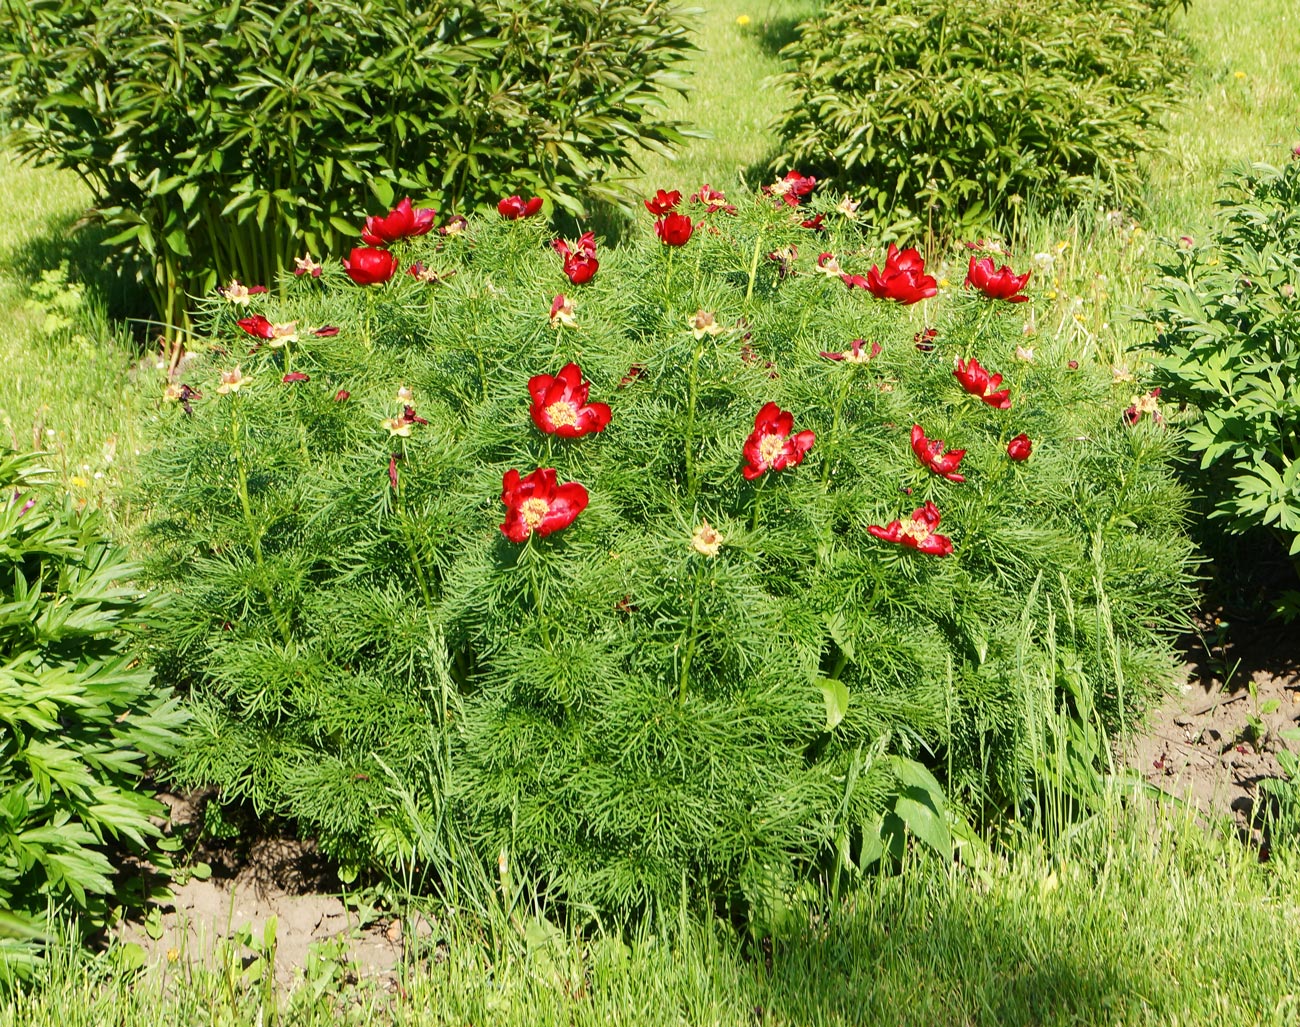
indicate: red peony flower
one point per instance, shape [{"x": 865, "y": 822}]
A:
[
  {"x": 903, "y": 280},
  {"x": 856, "y": 354},
  {"x": 560, "y": 404},
  {"x": 817, "y": 224},
  {"x": 367, "y": 266},
  {"x": 770, "y": 446},
  {"x": 580, "y": 264},
  {"x": 306, "y": 266},
  {"x": 456, "y": 225},
  {"x": 400, "y": 223},
  {"x": 930, "y": 453},
  {"x": 537, "y": 504},
  {"x": 342, "y": 396},
  {"x": 792, "y": 188},
  {"x": 917, "y": 532},
  {"x": 978, "y": 382},
  {"x": 1020, "y": 447},
  {"x": 1140, "y": 405},
  {"x": 514, "y": 207},
  {"x": 663, "y": 203},
  {"x": 674, "y": 229},
  {"x": 1002, "y": 284}
]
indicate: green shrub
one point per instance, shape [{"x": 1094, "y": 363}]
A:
[
  {"x": 1228, "y": 345},
  {"x": 80, "y": 721},
  {"x": 227, "y": 137},
  {"x": 954, "y": 112},
  {"x": 624, "y": 719}
]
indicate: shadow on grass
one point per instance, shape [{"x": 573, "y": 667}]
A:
[
  {"x": 773, "y": 30},
  {"x": 961, "y": 962},
  {"x": 109, "y": 279}
]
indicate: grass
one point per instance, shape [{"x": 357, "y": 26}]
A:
[{"x": 1145, "y": 919}]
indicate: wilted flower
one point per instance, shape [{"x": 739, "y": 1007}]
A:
[
  {"x": 903, "y": 279},
  {"x": 847, "y": 206},
  {"x": 326, "y": 331},
  {"x": 663, "y": 202},
  {"x": 1025, "y": 354},
  {"x": 560, "y": 404},
  {"x": 580, "y": 264},
  {"x": 633, "y": 373},
  {"x": 703, "y": 323},
  {"x": 401, "y": 424},
  {"x": 770, "y": 446},
  {"x": 784, "y": 258},
  {"x": 404, "y": 394},
  {"x": 275, "y": 334},
  {"x": 856, "y": 354},
  {"x": 402, "y": 222},
  {"x": 182, "y": 394},
  {"x": 1002, "y": 284},
  {"x": 707, "y": 540},
  {"x": 295, "y": 376},
  {"x": 714, "y": 198},
  {"x": 828, "y": 265},
  {"x": 978, "y": 382},
  {"x": 924, "y": 339},
  {"x": 1186, "y": 242},
  {"x": 1140, "y": 405},
  {"x": 427, "y": 274},
  {"x": 239, "y": 294},
  {"x": 306, "y": 266},
  {"x": 1044, "y": 261},
  {"x": 231, "y": 381},
  {"x": 917, "y": 532},
  {"x": 930, "y": 453},
  {"x": 674, "y": 229},
  {"x": 515, "y": 207},
  {"x": 368, "y": 266},
  {"x": 1020, "y": 447},
  {"x": 792, "y": 188},
  {"x": 456, "y": 225},
  {"x": 537, "y": 504},
  {"x": 562, "y": 312},
  {"x": 342, "y": 396},
  {"x": 392, "y": 471},
  {"x": 817, "y": 224}
]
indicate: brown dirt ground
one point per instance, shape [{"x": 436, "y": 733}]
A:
[{"x": 1199, "y": 746}]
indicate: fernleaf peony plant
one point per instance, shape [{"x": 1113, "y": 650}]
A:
[{"x": 656, "y": 601}]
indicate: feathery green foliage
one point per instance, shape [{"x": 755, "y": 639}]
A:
[
  {"x": 624, "y": 721},
  {"x": 80, "y": 720},
  {"x": 225, "y": 137},
  {"x": 958, "y": 112}
]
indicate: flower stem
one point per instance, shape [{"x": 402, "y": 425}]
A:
[
  {"x": 841, "y": 396},
  {"x": 690, "y": 424},
  {"x": 757, "y": 504},
  {"x": 685, "y": 676},
  {"x": 254, "y": 532},
  {"x": 408, "y": 533},
  {"x": 753, "y": 269}
]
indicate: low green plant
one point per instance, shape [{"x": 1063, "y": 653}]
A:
[
  {"x": 634, "y": 714},
  {"x": 80, "y": 719},
  {"x": 228, "y": 137},
  {"x": 959, "y": 113},
  {"x": 1227, "y": 346}
]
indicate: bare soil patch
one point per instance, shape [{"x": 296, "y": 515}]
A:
[{"x": 1214, "y": 742}]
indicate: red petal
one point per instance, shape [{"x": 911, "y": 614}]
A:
[{"x": 537, "y": 386}]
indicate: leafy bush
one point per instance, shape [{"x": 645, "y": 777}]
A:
[
  {"x": 226, "y": 137},
  {"x": 632, "y": 711},
  {"x": 1228, "y": 344},
  {"x": 81, "y": 719},
  {"x": 956, "y": 111}
]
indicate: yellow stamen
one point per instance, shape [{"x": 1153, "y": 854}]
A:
[
  {"x": 533, "y": 511},
  {"x": 770, "y": 448},
  {"x": 914, "y": 529},
  {"x": 562, "y": 414}
]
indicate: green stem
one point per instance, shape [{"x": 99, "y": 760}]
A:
[
  {"x": 690, "y": 424},
  {"x": 753, "y": 269},
  {"x": 250, "y": 523},
  {"x": 685, "y": 676},
  {"x": 757, "y": 504},
  {"x": 408, "y": 533},
  {"x": 841, "y": 396}
]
